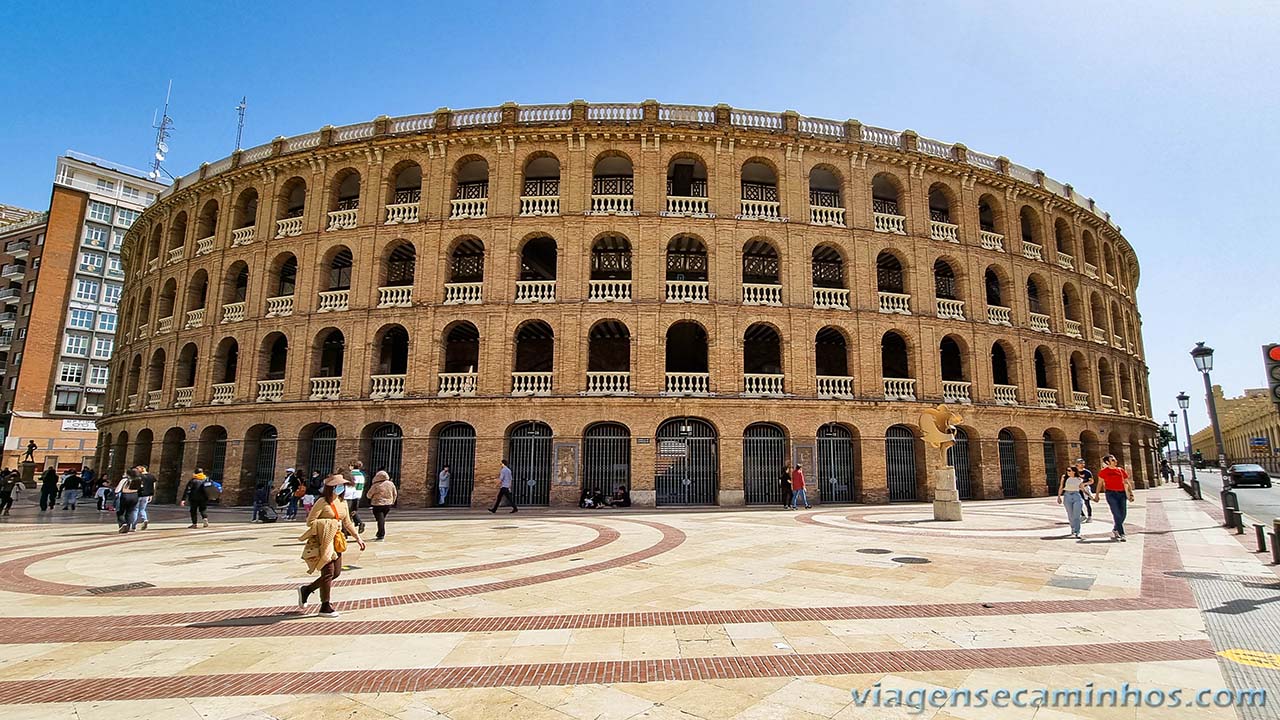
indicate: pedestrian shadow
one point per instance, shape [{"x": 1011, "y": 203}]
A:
[
  {"x": 1241, "y": 606},
  {"x": 254, "y": 621}
]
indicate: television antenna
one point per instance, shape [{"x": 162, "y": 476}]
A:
[
  {"x": 240, "y": 125},
  {"x": 163, "y": 128}
]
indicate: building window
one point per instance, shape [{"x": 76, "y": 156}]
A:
[
  {"x": 107, "y": 322},
  {"x": 104, "y": 184},
  {"x": 77, "y": 345},
  {"x": 112, "y": 295},
  {"x": 40, "y": 239},
  {"x": 95, "y": 236},
  {"x": 82, "y": 319},
  {"x": 66, "y": 401},
  {"x": 31, "y": 286},
  {"x": 130, "y": 191},
  {"x": 22, "y": 335},
  {"x": 125, "y": 217},
  {"x": 102, "y": 348},
  {"x": 71, "y": 373},
  {"x": 35, "y": 264},
  {"x": 13, "y": 383},
  {"x": 151, "y": 197},
  {"x": 115, "y": 266},
  {"x": 26, "y": 310},
  {"x": 17, "y": 360},
  {"x": 117, "y": 240},
  {"x": 99, "y": 211},
  {"x": 98, "y": 375},
  {"x": 91, "y": 262},
  {"x": 87, "y": 290}
]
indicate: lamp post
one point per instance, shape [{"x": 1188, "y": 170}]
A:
[
  {"x": 1184, "y": 401},
  {"x": 1203, "y": 357},
  {"x": 1173, "y": 422}
]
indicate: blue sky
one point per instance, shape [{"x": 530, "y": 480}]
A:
[{"x": 1166, "y": 113}]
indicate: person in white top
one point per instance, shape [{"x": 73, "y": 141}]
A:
[
  {"x": 1071, "y": 494},
  {"x": 353, "y": 491}
]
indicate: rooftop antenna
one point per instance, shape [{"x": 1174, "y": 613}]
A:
[
  {"x": 163, "y": 128},
  {"x": 240, "y": 125}
]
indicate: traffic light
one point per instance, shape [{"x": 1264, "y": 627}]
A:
[{"x": 1271, "y": 355}]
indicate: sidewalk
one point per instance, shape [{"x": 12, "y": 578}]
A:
[{"x": 645, "y": 614}]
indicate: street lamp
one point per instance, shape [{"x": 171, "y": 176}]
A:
[
  {"x": 1173, "y": 420},
  {"x": 1165, "y": 428},
  {"x": 1184, "y": 401},
  {"x": 1203, "y": 356}
]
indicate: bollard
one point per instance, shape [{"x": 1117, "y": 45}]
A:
[
  {"x": 1260, "y": 531},
  {"x": 1275, "y": 550},
  {"x": 1195, "y": 490},
  {"x": 1238, "y": 521},
  {"x": 1230, "y": 503}
]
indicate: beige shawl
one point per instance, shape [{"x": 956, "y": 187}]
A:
[{"x": 320, "y": 533}]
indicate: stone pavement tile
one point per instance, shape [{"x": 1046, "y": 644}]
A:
[
  {"x": 711, "y": 701},
  {"x": 591, "y": 702},
  {"x": 177, "y": 709},
  {"x": 401, "y": 706},
  {"x": 243, "y": 707},
  {"x": 487, "y": 704},
  {"x": 812, "y": 697}
]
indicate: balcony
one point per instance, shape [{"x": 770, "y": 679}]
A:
[
  {"x": 233, "y": 312},
  {"x": 991, "y": 241},
  {"x": 1006, "y": 395},
  {"x": 131, "y": 402},
  {"x": 688, "y": 383},
  {"x": 1117, "y": 342},
  {"x": 831, "y": 298},
  {"x": 1032, "y": 251},
  {"x": 609, "y": 291},
  {"x": 955, "y": 391},
  {"x": 164, "y": 325},
  {"x": 998, "y": 315},
  {"x": 153, "y": 399},
  {"x": 944, "y": 232},
  {"x": 153, "y": 264},
  {"x": 1047, "y": 397},
  {"x": 270, "y": 390},
  {"x": 760, "y": 210},
  {"x": 900, "y": 389},
  {"x": 342, "y": 219},
  {"x": 950, "y": 309},
  {"x": 334, "y": 301},
  {"x": 835, "y": 386},
  {"x": 687, "y": 291},
  {"x": 195, "y": 318},
  {"x": 895, "y": 303},
  {"x": 1110, "y": 280},
  {"x": 829, "y": 216},
  {"x": 463, "y": 293},
  {"x": 10, "y": 294},
  {"x": 694, "y": 207},
  {"x": 762, "y": 384},
  {"x": 540, "y": 205},
  {"x": 243, "y": 236},
  {"x": 395, "y": 296},
  {"x": 469, "y": 208},
  {"x": 223, "y": 393},
  {"x": 18, "y": 249},
  {"x": 325, "y": 388},
  {"x": 281, "y": 306},
  {"x": 1126, "y": 407},
  {"x": 16, "y": 270},
  {"x": 1105, "y": 403},
  {"x": 183, "y": 396},
  {"x": 6, "y": 340},
  {"x": 461, "y": 384},
  {"x": 890, "y": 223},
  {"x": 1080, "y": 400},
  {"x": 1099, "y": 335},
  {"x": 143, "y": 330},
  {"x": 612, "y": 205},
  {"x": 402, "y": 213},
  {"x": 761, "y": 294},
  {"x": 8, "y": 318},
  {"x": 288, "y": 227},
  {"x": 1073, "y": 328},
  {"x": 535, "y": 291},
  {"x": 204, "y": 246},
  {"x": 94, "y": 242},
  {"x": 1091, "y": 270},
  {"x": 608, "y": 383},
  {"x": 1039, "y": 322},
  {"x": 531, "y": 383},
  {"x": 1065, "y": 261},
  {"x": 386, "y": 386},
  {"x": 176, "y": 255}
]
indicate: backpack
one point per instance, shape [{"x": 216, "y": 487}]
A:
[{"x": 282, "y": 496}]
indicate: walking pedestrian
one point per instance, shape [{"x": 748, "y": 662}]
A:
[
  {"x": 1088, "y": 492},
  {"x": 10, "y": 484},
  {"x": 48, "y": 489},
  {"x": 1166, "y": 471},
  {"x": 293, "y": 484},
  {"x": 504, "y": 489},
  {"x": 442, "y": 484},
  {"x": 784, "y": 485},
  {"x": 1071, "y": 496},
  {"x": 355, "y": 491},
  {"x": 197, "y": 498},
  {"x": 70, "y": 490},
  {"x": 797, "y": 489},
  {"x": 382, "y": 495},
  {"x": 261, "y": 498},
  {"x": 1119, "y": 489},
  {"x": 146, "y": 492},
  {"x": 30, "y": 455},
  {"x": 87, "y": 481},
  {"x": 127, "y": 500},
  {"x": 325, "y": 543}
]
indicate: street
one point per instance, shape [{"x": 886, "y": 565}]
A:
[{"x": 1262, "y": 504}]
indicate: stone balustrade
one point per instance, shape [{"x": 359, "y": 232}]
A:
[
  {"x": 895, "y": 303},
  {"x": 176, "y": 254},
  {"x": 281, "y": 306},
  {"x": 1091, "y": 271},
  {"x": 1039, "y": 322},
  {"x": 383, "y": 387},
  {"x": 183, "y": 397},
  {"x": 681, "y": 206},
  {"x": 1005, "y": 394},
  {"x": 1099, "y": 335},
  {"x": 950, "y": 309},
  {"x": 761, "y": 294},
  {"x": 531, "y": 383},
  {"x": 612, "y": 205},
  {"x": 900, "y": 389},
  {"x": 687, "y": 291},
  {"x": 143, "y": 330},
  {"x": 395, "y": 296},
  {"x": 535, "y": 291},
  {"x": 608, "y": 383},
  {"x": 1105, "y": 403},
  {"x": 688, "y": 383},
  {"x": 944, "y": 232},
  {"x": 762, "y": 384},
  {"x": 469, "y": 208},
  {"x": 153, "y": 399},
  {"x": 539, "y": 205},
  {"x": 334, "y": 301},
  {"x": 609, "y": 291},
  {"x": 760, "y": 210},
  {"x": 991, "y": 241},
  {"x": 233, "y": 312},
  {"x": 288, "y": 227},
  {"x": 463, "y": 293},
  {"x": 325, "y": 388},
  {"x": 458, "y": 384},
  {"x": 831, "y": 298},
  {"x": 204, "y": 246},
  {"x": 402, "y": 213},
  {"x": 164, "y": 325},
  {"x": 270, "y": 391},
  {"x": 1073, "y": 328},
  {"x": 956, "y": 391},
  {"x": 1080, "y": 400},
  {"x": 223, "y": 393},
  {"x": 342, "y": 219},
  {"x": 835, "y": 386},
  {"x": 829, "y": 216},
  {"x": 1047, "y": 397},
  {"x": 195, "y": 318},
  {"x": 243, "y": 236},
  {"x": 888, "y": 223},
  {"x": 1065, "y": 261},
  {"x": 1032, "y": 251}
]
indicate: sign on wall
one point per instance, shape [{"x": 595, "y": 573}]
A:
[{"x": 80, "y": 425}]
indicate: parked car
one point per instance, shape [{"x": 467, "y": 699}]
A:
[{"x": 1247, "y": 474}]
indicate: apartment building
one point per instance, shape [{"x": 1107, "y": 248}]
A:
[{"x": 10, "y": 214}]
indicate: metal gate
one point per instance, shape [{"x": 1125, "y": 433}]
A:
[
  {"x": 384, "y": 451},
  {"x": 529, "y": 452},
  {"x": 264, "y": 465},
  {"x": 606, "y": 458},
  {"x": 1051, "y": 465},
  {"x": 958, "y": 457},
  {"x": 218, "y": 460},
  {"x": 900, "y": 463},
  {"x": 1008, "y": 464},
  {"x": 687, "y": 467},
  {"x": 171, "y": 453},
  {"x": 835, "y": 471},
  {"x": 456, "y": 447},
  {"x": 324, "y": 449},
  {"x": 764, "y": 452}
]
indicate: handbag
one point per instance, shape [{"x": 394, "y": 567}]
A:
[
  {"x": 302, "y": 490},
  {"x": 339, "y": 540}
]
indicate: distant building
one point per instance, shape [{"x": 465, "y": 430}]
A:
[
  {"x": 1243, "y": 418},
  {"x": 60, "y": 282},
  {"x": 10, "y": 214}
]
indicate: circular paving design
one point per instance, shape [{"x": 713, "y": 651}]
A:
[{"x": 1030, "y": 518}]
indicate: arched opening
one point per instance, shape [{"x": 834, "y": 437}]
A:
[
  {"x": 344, "y": 198},
  {"x": 235, "y": 287},
  {"x": 686, "y": 359},
  {"x": 168, "y": 295},
  {"x": 1046, "y": 385},
  {"x": 285, "y": 283},
  {"x": 337, "y": 268},
  {"x": 990, "y": 220},
  {"x": 1078, "y": 367},
  {"x": 831, "y": 356},
  {"x": 142, "y": 448},
  {"x": 1071, "y": 309},
  {"x": 1037, "y": 304},
  {"x": 393, "y": 362},
  {"x": 687, "y": 187},
  {"x": 759, "y": 192},
  {"x": 541, "y": 192},
  {"x": 211, "y": 455},
  {"x": 1091, "y": 450},
  {"x": 609, "y": 358},
  {"x": 895, "y": 368},
  {"x": 197, "y": 297},
  {"x": 398, "y": 267},
  {"x": 144, "y": 312},
  {"x": 1065, "y": 246},
  {"x": 891, "y": 284},
  {"x": 275, "y": 357},
  {"x": 761, "y": 275},
  {"x": 185, "y": 372},
  {"x": 471, "y": 189},
  {"x": 290, "y": 206},
  {"x": 537, "y": 281},
  {"x": 260, "y": 445},
  {"x": 837, "y": 478},
  {"x": 1029, "y": 226},
  {"x": 177, "y": 237},
  {"x": 383, "y": 445},
  {"x": 951, "y": 362},
  {"x": 1006, "y": 391},
  {"x": 612, "y": 185},
  {"x": 207, "y": 222},
  {"x": 764, "y": 454},
  {"x": 606, "y": 459},
  {"x": 687, "y": 265},
  {"x": 226, "y": 361},
  {"x": 1008, "y": 452},
  {"x": 825, "y": 204},
  {"x": 1107, "y": 384},
  {"x": 317, "y": 449},
  {"x": 456, "y": 449},
  {"x": 886, "y": 192},
  {"x": 942, "y": 226},
  {"x": 959, "y": 457},
  {"x": 134, "y": 381},
  {"x": 327, "y": 353},
  {"x": 172, "y": 449},
  {"x": 946, "y": 290},
  {"x": 902, "y": 464},
  {"x": 995, "y": 290},
  {"x": 155, "y": 375},
  {"x": 1099, "y": 313},
  {"x": 762, "y": 361},
  {"x": 466, "y": 273},
  {"x": 829, "y": 290},
  {"x": 529, "y": 457},
  {"x": 534, "y": 360},
  {"x": 1053, "y": 447},
  {"x": 116, "y": 456},
  {"x": 405, "y": 193},
  {"x": 461, "y": 359},
  {"x": 153, "y": 247},
  {"x": 687, "y": 467},
  {"x": 245, "y": 212},
  {"x": 1090, "y": 254}
]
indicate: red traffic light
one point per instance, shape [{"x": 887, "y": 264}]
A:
[{"x": 1273, "y": 352}]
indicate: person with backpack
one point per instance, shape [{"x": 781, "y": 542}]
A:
[
  {"x": 261, "y": 498},
  {"x": 1087, "y": 492},
  {"x": 292, "y": 490},
  {"x": 325, "y": 543},
  {"x": 382, "y": 495},
  {"x": 196, "y": 496},
  {"x": 127, "y": 500},
  {"x": 48, "y": 489},
  {"x": 145, "y": 495},
  {"x": 10, "y": 484}
]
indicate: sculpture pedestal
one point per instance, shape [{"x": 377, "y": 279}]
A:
[{"x": 946, "y": 499}]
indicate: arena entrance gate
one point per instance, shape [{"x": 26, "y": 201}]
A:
[
  {"x": 264, "y": 464},
  {"x": 958, "y": 456},
  {"x": 529, "y": 452},
  {"x": 835, "y": 472},
  {"x": 764, "y": 452},
  {"x": 687, "y": 467},
  {"x": 1008, "y": 464},
  {"x": 1050, "y": 464},
  {"x": 606, "y": 458},
  {"x": 385, "y": 444},
  {"x": 323, "y": 450},
  {"x": 900, "y": 463},
  {"x": 456, "y": 447}
]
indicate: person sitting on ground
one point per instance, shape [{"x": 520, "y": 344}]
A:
[
  {"x": 585, "y": 501},
  {"x": 598, "y": 499},
  {"x": 621, "y": 497},
  {"x": 261, "y": 498}
]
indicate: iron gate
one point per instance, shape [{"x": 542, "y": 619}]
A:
[
  {"x": 384, "y": 451},
  {"x": 835, "y": 472},
  {"x": 900, "y": 463},
  {"x": 218, "y": 460},
  {"x": 958, "y": 457},
  {"x": 324, "y": 449},
  {"x": 171, "y": 454},
  {"x": 456, "y": 447},
  {"x": 687, "y": 467},
  {"x": 1051, "y": 465},
  {"x": 764, "y": 452},
  {"x": 606, "y": 458},
  {"x": 529, "y": 455},
  {"x": 264, "y": 465},
  {"x": 1008, "y": 464}
]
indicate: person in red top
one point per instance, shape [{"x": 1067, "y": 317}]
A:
[
  {"x": 1119, "y": 489},
  {"x": 797, "y": 489}
]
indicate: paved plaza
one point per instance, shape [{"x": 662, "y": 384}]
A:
[{"x": 715, "y": 613}]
